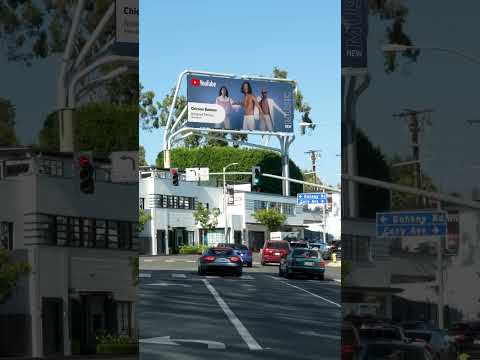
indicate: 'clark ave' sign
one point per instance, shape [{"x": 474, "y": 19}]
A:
[{"x": 413, "y": 223}]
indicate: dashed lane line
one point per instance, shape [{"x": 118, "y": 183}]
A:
[
  {"x": 241, "y": 329},
  {"x": 315, "y": 295}
]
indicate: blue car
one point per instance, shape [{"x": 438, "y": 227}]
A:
[{"x": 244, "y": 253}]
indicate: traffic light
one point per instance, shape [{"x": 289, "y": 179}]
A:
[
  {"x": 174, "y": 174},
  {"x": 86, "y": 174},
  {"x": 256, "y": 177}
]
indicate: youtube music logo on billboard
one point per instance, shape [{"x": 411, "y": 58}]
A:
[{"x": 197, "y": 82}]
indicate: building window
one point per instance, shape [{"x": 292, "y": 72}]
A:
[
  {"x": 15, "y": 168},
  {"x": 124, "y": 317},
  {"x": 356, "y": 248},
  {"x": 51, "y": 167},
  {"x": 142, "y": 203},
  {"x": 288, "y": 209},
  {"x": 6, "y": 235},
  {"x": 191, "y": 238}
]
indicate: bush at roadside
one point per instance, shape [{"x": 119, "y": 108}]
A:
[{"x": 193, "y": 249}]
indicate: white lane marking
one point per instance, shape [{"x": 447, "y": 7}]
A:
[
  {"x": 168, "y": 284},
  {"x": 169, "y": 261},
  {"x": 317, "y": 296},
  {"x": 337, "y": 280},
  {"x": 166, "y": 340},
  {"x": 212, "y": 277},
  {"x": 179, "y": 275},
  {"x": 241, "y": 329},
  {"x": 145, "y": 275},
  {"x": 314, "y": 333},
  {"x": 147, "y": 260},
  {"x": 247, "y": 277},
  {"x": 191, "y": 261}
]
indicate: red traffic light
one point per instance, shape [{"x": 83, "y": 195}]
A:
[{"x": 83, "y": 161}]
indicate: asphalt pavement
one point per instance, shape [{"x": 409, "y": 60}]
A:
[{"x": 183, "y": 316}]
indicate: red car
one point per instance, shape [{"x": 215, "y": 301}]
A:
[{"x": 273, "y": 251}]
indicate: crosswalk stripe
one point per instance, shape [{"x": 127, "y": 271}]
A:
[{"x": 179, "y": 275}]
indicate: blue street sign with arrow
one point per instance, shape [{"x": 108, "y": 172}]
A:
[
  {"x": 311, "y": 198},
  {"x": 412, "y": 223}
]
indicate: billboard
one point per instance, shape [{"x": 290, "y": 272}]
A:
[
  {"x": 126, "y": 27},
  {"x": 237, "y": 104},
  {"x": 354, "y": 33}
]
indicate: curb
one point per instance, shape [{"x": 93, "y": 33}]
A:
[{"x": 332, "y": 264}]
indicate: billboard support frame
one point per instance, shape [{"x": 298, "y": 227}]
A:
[{"x": 286, "y": 139}]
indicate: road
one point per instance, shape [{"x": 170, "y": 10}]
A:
[{"x": 183, "y": 316}]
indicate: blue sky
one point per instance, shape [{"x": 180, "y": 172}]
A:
[{"x": 250, "y": 38}]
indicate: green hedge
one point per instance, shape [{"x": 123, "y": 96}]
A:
[
  {"x": 99, "y": 127},
  {"x": 117, "y": 349},
  {"x": 216, "y": 157},
  {"x": 196, "y": 249}
]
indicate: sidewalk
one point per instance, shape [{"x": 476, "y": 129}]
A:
[{"x": 334, "y": 264}]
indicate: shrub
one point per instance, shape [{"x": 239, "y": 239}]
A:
[{"x": 193, "y": 249}]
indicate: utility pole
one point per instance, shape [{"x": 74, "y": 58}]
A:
[
  {"x": 416, "y": 126},
  {"x": 314, "y": 155}
]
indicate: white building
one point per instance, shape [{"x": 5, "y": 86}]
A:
[
  {"x": 79, "y": 246},
  {"x": 172, "y": 208}
]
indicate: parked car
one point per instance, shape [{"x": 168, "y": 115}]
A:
[
  {"x": 437, "y": 341},
  {"x": 351, "y": 344},
  {"x": 370, "y": 332},
  {"x": 302, "y": 261},
  {"x": 244, "y": 252},
  {"x": 415, "y": 325},
  {"x": 299, "y": 244},
  {"x": 220, "y": 260},
  {"x": 465, "y": 334},
  {"x": 321, "y": 247},
  {"x": 334, "y": 248},
  {"x": 273, "y": 251},
  {"x": 394, "y": 350}
]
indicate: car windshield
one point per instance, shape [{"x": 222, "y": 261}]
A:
[
  {"x": 220, "y": 252},
  {"x": 393, "y": 352},
  {"x": 305, "y": 253},
  {"x": 418, "y": 335},
  {"x": 277, "y": 245},
  {"x": 380, "y": 333}
]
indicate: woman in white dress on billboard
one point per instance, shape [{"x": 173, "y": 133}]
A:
[{"x": 225, "y": 101}]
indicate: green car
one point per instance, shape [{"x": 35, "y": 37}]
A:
[{"x": 302, "y": 261}]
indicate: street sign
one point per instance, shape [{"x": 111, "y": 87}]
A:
[
  {"x": 124, "y": 166},
  {"x": 311, "y": 198},
  {"x": 412, "y": 223},
  {"x": 197, "y": 174}
]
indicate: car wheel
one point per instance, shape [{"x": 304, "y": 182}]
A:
[
  {"x": 238, "y": 274},
  {"x": 249, "y": 264},
  {"x": 201, "y": 272},
  {"x": 288, "y": 275},
  {"x": 280, "y": 271},
  {"x": 321, "y": 277},
  {"x": 263, "y": 263}
]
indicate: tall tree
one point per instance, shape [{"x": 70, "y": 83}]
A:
[
  {"x": 206, "y": 218},
  {"x": 141, "y": 156},
  {"x": 272, "y": 218},
  {"x": 373, "y": 164},
  {"x": 7, "y": 123},
  {"x": 11, "y": 271}
]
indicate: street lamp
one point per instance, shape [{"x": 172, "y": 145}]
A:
[
  {"x": 225, "y": 199},
  {"x": 402, "y": 48}
]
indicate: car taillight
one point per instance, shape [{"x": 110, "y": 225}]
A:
[
  {"x": 460, "y": 337},
  {"x": 209, "y": 258},
  {"x": 234, "y": 258},
  {"x": 347, "y": 349},
  {"x": 321, "y": 264}
]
